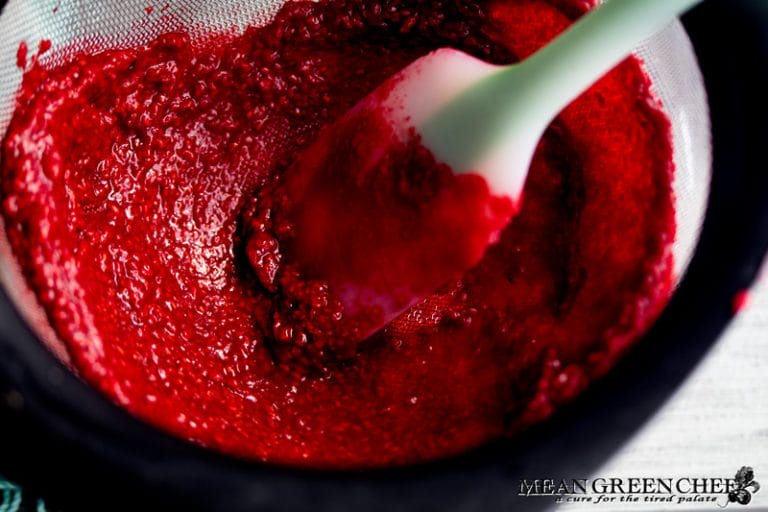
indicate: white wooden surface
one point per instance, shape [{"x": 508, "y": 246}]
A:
[{"x": 715, "y": 423}]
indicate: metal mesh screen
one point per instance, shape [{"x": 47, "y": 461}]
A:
[{"x": 76, "y": 25}]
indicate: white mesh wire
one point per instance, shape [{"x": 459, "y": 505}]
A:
[
  {"x": 75, "y": 25},
  {"x": 677, "y": 82}
]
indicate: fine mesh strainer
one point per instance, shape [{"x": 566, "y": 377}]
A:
[{"x": 76, "y": 25}]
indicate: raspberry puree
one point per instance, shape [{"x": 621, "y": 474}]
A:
[{"x": 132, "y": 182}]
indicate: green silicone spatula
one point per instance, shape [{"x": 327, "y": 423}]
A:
[{"x": 479, "y": 119}]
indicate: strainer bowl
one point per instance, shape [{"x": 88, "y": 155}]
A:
[{"x": 68, "y": 421}]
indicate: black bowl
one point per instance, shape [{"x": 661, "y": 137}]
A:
[{"x": 60, "y": 438}]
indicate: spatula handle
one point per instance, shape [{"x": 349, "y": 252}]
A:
[
  {"x": 590, "y": 48},
  {"x": 493, "y": 126}
]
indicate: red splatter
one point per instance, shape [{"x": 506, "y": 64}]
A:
[
  {"x": 21, "y": 55},
  {"x": 740, "y": 301},
  {"x": 44, "y": 46}
]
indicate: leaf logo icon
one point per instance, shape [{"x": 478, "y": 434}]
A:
[{"x": 746, "y": 485}]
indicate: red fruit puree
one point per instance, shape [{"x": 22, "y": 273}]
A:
[{"x": 134, "y": 184}]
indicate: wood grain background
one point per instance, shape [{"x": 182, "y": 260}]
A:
[{"x": 716, "y": 422}]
